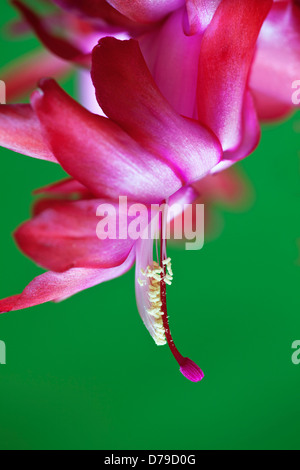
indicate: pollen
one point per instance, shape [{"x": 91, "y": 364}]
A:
[{"x": 155, "y": 274}]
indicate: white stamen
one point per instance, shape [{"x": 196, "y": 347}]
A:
[{"x": 155, "y": 274}]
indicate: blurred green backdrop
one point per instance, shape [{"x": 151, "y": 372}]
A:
[{"x": 69, "y": 383}]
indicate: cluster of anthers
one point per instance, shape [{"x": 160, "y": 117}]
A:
[{"x": 156, "y": 275}]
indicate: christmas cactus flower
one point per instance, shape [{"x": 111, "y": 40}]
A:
[{"x": 144, "y": 150}]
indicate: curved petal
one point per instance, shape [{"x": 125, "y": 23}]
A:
[
  {"x": 66, "y": 187},
  {"x": 98, "y": 153},
  {"x": 277, "y": 60},
  {"x": 52, "y": 286},
  {"x": 269, "y": 108},
  {"x": 200, "y": 14},
  {"x": 250, "y": 132},
  {"x": 129, "y": 96},
  {"x": 226, "y": 54},
  {"x": 146, "y": 11},
  {"x": 230, "y": 189},
  {"x": 98, "y": 10},
  {"x": 20, "y": 131},
  {"x": 59, "y": 46},
  {"x": 22, "y": 76},
  {"x": 65, "y": 235},
  {"x": 174, "y": 69}
]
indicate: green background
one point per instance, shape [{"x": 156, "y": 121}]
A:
[{"x": 85, "y": 374}]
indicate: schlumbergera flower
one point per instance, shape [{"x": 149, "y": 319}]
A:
[
  {"x": 200, "y": 54},
  {"x": 143, "y": 150},
  {"x": 86, "y": 21},
  {"x": 180, "y": 41}
]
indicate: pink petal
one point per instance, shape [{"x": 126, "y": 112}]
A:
[
  {"x": 21, "y": 132},
  {"x": 145, "y": 11},
  {"x": 226, "y": 54},
  {"x": 129, "y": 96},
  {"x": 55, "y": 286},
  {"x": 269, "y": 108},
  {"x": 66, "y": 187},
  {"x": 173, "y": 58},
  {"x": 63, "y": 235},
  {"x": 98, "y": 153},
  {"x": 59, "y": 46},
  {"x": 98, "y": 10},
  {"x": 200, "y": 14},
  {"x": 250, "y": 131},
  {"x": 230, "y": 188},
  {"x": 22, "y": 76},
  {"x": 277, "y": 61}
]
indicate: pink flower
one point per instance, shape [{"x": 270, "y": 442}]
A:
[
  {"x": 145, "y": 150},
  {"x": 22, "y": 75},
  {"x": 277, "y": 61}
]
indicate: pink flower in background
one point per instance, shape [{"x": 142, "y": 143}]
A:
[
  {"x": 277, "y": 61},
  {"x": 183, "y": 33},
  {"x": 227, "y": 190},
  {"x": 72, "y": 32},
  {"x": 22, "y": 75}
]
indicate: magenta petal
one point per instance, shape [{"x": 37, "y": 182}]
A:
[
  {"x": 58, "y": 46},
  {"x": 226, "y": 54},
  {"x": 269, "y": 108},
  {"x": 200, "y": 14},
  {"x": 98, "y": 153},
  {"x": 64, "y": 236},
  {"x": 20, "y": 131},
  {"x": 129, "y": 96},
  {"x": 99, "y": 11},
  {"x": 146, "y": 11},
  {"x": 66, "y": 187},
  {"x": 22, "y": 75},
  {"x": 277, "y": 60},
  {"x": 54, "y": 286},
  {"x": 250, "y": 132},
  {"x": 175, "y": 68}
]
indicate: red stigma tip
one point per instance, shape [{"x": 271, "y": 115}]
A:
[{"x": 191, "y": 371}]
